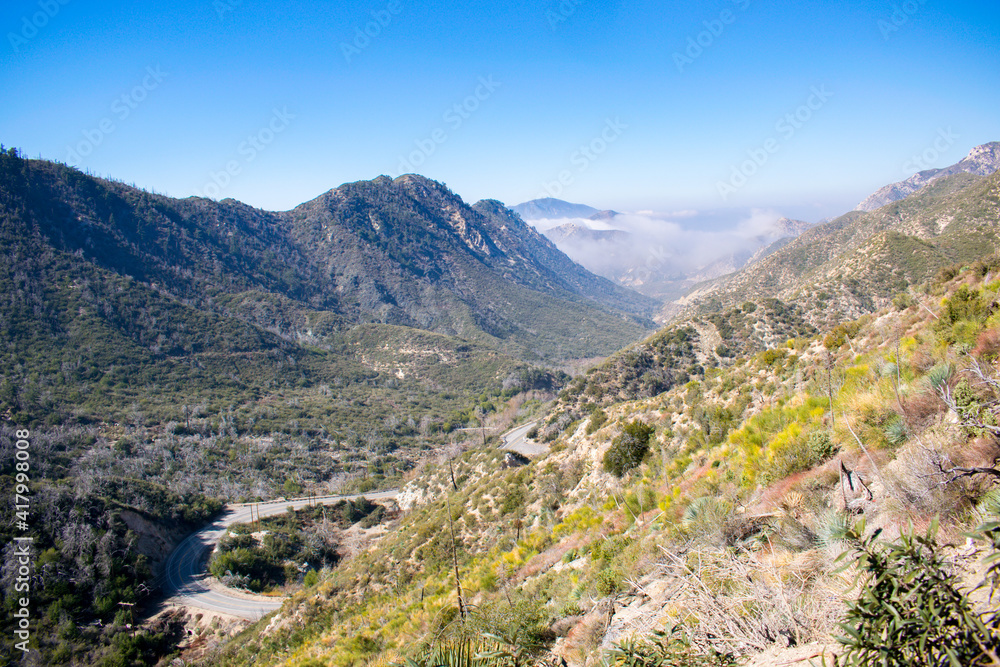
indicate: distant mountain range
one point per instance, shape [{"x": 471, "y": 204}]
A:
[
  {"x": 637, "y": 256},
  {"x": 570, "y": 233},
  {"x": 981, "y": 160}
]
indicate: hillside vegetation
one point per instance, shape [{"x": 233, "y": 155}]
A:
[{"x": 744, "y": 511}]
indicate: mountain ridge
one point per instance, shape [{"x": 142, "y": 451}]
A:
[
  {"x": 859, "y": 261},
  {"x": 551, "y": 208},
  {"x": 406, "y": 252},
  {"x": 982, "y": 160}
]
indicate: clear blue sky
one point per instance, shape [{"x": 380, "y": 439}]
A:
[{"x": 166, "y": 94}]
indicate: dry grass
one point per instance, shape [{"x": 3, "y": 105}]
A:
[{"x": 744, "y": 602}]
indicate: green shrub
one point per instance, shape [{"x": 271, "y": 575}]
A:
[
  {"x": 771, "y": 357},
  {"x": 910, "y": 610},
  {"x": 822, "y": 446},
  {"x": 903, "y": 300},
  {"x": 836, "y": 338},
  {"x": 896, "y": 432},
  {"x": 610, "y": 580},
  {"x": 597, "y": 419},
  {"x": 628, "y": 449}
]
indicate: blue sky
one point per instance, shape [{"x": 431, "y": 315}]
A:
[{"x": 800, "y": 107}]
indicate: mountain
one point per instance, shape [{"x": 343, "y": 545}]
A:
[
  {"x": 699, "y": 519},
  {"x": 122, "y": 306},
  {"x": 410, "y": 252},
  {"x": 406, "y": 252},
  {"x": 785, "y": 228},
  {"x": 981, "y": 160},
  {"x": 553, "y": 209},
  {"x": 858, "y": 262}
]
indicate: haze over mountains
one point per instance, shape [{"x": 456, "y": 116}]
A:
[
  {"x": 658, "y": 255},
  {"x": 666, "y": 255}
]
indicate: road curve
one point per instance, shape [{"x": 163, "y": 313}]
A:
[
  {"x": 185, "y": 578},
  {"x": 516, "y": 440}
]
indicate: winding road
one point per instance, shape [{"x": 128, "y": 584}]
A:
[
  {"x": 185, "y": 578},
  {"x": 516, "y": 440},
  {"x": 186, "y": 581}
]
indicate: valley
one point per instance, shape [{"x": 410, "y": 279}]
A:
[
  {"x": 179, "y": 359},
  {"x": 535, "y": 334}
]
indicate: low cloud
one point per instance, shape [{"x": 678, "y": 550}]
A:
[{"x": 676, "y": 243}]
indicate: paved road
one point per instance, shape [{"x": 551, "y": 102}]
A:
[
  {"x": 186, "y": 581},
  {"x": 517, "y": 440}
]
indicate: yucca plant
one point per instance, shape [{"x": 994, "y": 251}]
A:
[
  {"x": 896, "y": 432},
  {"x": 938, "y": 376},
  {"x": 461, "y": 653},
  {"x": 670, "y": 648}
]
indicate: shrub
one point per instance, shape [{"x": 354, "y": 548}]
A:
[
  {"x": 609, "y": 581},
  {"x": 628, "y": 449},
  {"x": 822, "y": 446},
  {"x": 597, "y": 419},
  {"x": 836, "y": 338},
  {"x": 939, "y": 376},
  {"x": 903, "y": 300},
  {"x": 771, "y": 357},
  {"x": 910, "y": 609},
  {"x": 896, "y": 432},
  {"x": 666, "y": 649},
  {"x": 988, "y": 344}
]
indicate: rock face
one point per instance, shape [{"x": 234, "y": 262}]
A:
[{"x": 981, "y": 160}]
